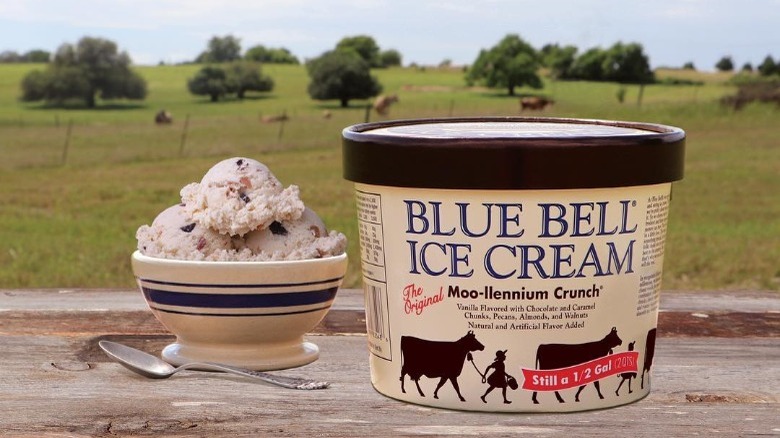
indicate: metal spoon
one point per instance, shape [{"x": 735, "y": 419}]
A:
[{"x": 150, "y": 366}]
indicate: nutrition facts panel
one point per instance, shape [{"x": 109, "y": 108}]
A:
[{"x": 372, "y": 254}]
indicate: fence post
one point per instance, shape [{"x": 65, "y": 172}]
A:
[
  {"x": 282, "y": 121},
  {"x": 184, "y": 135},
  {"x": 67, "y": 143},
  {"x": 368, "y": 113},
  {"x": 641, "y": 92}
]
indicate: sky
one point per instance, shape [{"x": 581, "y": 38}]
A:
[{"x": 425, "y": 32}]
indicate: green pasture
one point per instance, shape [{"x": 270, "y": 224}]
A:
[{"x": 75, "y": 184}]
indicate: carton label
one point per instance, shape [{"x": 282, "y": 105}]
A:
[{"x": 512, "y": 300}]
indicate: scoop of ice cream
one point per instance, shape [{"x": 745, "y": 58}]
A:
[
  {"x": 174, "y": 235},
  {"x": 239, "y": 195},
  {"x": 239, "y": 211},
  {"x": 302, "y": 238}
]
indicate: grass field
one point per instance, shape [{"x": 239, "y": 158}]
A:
[{"x": 68, "y": 214}]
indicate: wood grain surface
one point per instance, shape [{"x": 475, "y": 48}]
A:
[{"x": 716, "y": 373}]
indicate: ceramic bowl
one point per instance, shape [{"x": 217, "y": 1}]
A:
[{"x": 247, "y": 314}]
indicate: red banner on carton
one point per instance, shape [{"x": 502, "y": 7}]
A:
[{"x": 582, "y": 374}]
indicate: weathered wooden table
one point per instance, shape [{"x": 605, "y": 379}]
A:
[{"x": 716, "y": 372}]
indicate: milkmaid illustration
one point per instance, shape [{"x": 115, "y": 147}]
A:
[{"x": 499, "y": 378}]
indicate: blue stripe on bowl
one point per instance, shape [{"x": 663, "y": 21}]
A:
[
  {"x": 180, "y": 312},
  {"x": 238, "y": 301}
]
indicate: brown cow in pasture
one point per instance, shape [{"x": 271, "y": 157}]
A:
[
  {"x": 163, "y": 117},
  {"x": 535, "y": 103},
  {"x": 382, "y": 103},
  {"x": 272, "y": 119}
]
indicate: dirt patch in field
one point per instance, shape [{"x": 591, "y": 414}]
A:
[
  {"x": 441, "y": 88},
  {"x": 428, "y": 88}
]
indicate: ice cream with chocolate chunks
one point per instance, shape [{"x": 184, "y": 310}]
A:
[{"x": 239, "y": 211}]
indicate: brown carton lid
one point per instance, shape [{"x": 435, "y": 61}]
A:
[{"x": 512, "y": 153}]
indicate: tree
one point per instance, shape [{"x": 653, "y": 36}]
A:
[
  {"x": 558, "y": 59},
  {"x": 390, "y": 58},
  {"x": 55, "y": 86},
  {"x": 37, "y": 55},
  {"x": 342, "y": 75},
  {"x": 627, "y": 63},
  {"x": 221, "y": 49},
  {"x": 509, "y": 64},
  {"x": 768, "y": 67},
  {"x": 9, "y": 56},
  {"x": 365, "y": 46},
  {"x": 590, "y": 65},
  {"x": 237, "y": 78},
  {"x": 246, "y": 76},
  {"x": 280, "y": 55},
  {"x": 92, "y": 68},
  {"x": 209, "y": 81},
  {"x": 689, "y": 66},
  {"x": 725, "y": 64}
]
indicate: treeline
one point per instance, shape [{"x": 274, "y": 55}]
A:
[
  {"x": 9, "y": 56},
  {"x": 228, "y": 49},
  {"x": 78, "y": 74},
  {"x": 94, "y": 68},
  {"x": 622, "y": 62},
  {"x": 342, "y": 73},
  {"x": 759, "y": 85},
  {"x": 513, "y": 62},
  {"x": 768, "y": 67}
]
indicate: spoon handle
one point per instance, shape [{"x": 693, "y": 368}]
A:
[{"x": 283, "y": 381}]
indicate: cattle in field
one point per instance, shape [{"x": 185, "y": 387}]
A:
[
  {"x": 163, "y": 117},
  {"x": 382, "y": 103},
  {"x": 649, "y": 353},
  {"x": 436, "y": 359},
  {"x": 272, "y": 119},
  {"x": 554, "y": 356},
  {"x": 535, "y": 103}
]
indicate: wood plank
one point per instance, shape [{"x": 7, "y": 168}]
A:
[
  {"x": 716, "y": 372},
  {"x": 752, "y": 301},
  {"x": 735, "y": 301},
  {"x": 57, "y": 386},
  {"x": 752, "y": 314}
]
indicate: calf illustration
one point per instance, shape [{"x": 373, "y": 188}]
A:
[
  {"x": 421, "y": 357},
  {"x": 554, "y": 356},
  {"x": 626, "y": 376},
  {"x": 649, "y": 353}
]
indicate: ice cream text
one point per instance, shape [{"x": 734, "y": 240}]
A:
[{"x": 585, "y": 239}]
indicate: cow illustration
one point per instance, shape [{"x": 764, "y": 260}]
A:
[
  {"x": 649, "y": 353},
  {"x": 442, "y": 359},
  {"x": 554, "y": 356},
  {"x": 626, "y": 376}
]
